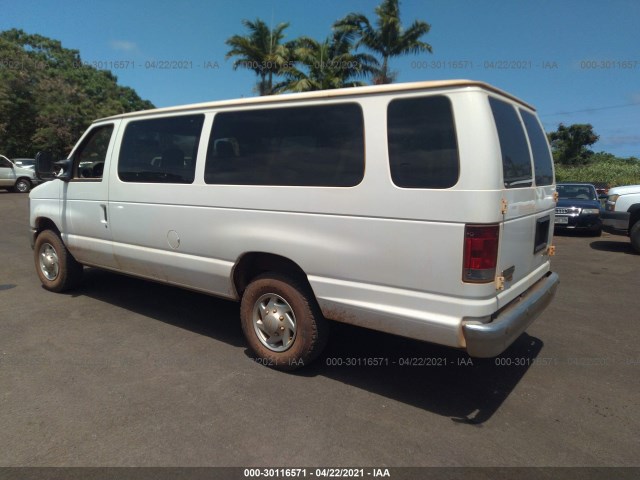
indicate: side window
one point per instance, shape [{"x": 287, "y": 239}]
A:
[
  {"x": 542, "y": 161},
  {"x": 160, "y": 150},
  {"x": 89, "y": 158},
  {"x": 293, "y": 146},
  {"x": 5, "y": 163},
  {"x": 516, "y": 163},
  {"x": 423, "y": 149}
]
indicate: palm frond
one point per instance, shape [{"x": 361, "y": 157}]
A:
[
  {"x": 261, "y": 51},
  {"x": 386, "y": 39}
]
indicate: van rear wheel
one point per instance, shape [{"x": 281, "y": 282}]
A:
[
  {"x": 56, "y": 267},
  {"x": 282, "y": 322}
]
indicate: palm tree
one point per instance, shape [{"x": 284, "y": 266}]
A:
[
  {"x": 388, "y": 38},
  {"x": 260, "y": 51},
  {"x": 325, "y": 65}
]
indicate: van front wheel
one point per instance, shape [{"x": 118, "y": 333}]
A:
[
  {"x": 56, "y": 267},
  {"x": 282, "y": 322}
]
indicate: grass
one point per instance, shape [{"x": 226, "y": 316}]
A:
[{"x": 612, "y": 171}]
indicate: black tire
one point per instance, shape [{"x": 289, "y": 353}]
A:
[
  {"x": 596, "y": 233},
  {"x": 634, "y": 235},
  {"x": 56, "y": 267},
  {"x": 23, "y": 185},
  {"x": 288, "y": 351}
]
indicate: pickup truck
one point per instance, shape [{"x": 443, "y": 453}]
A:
[
  {"x": 621, "y": 214},
  {"x": 15, "y": 178}
]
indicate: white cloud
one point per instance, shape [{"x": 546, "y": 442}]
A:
[{"x": 124, "y": 45}]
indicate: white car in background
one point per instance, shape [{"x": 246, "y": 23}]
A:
[
  {"x": 16, "y": 178},
  {"x": 25, "y": 162},
  {"x": 621, "y": 213}
]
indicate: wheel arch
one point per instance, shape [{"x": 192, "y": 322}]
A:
[
  {"x": 634, "y": 215},
  {"x": 252, "y": 264},
  {"x": 45, "y": 223}
]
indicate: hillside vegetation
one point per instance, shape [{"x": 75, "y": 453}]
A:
[
  {"x": 605, "y": 168},
  {"x": 574, "y": 161},
  {"x": 48, "y": 96}
]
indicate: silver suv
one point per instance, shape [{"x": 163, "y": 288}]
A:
[{"x": 15, "y": 178}]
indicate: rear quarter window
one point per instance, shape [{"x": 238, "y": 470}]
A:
[{"x": 516, "y": 162}]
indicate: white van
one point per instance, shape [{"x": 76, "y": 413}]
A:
[{"x": 421, "y": 209}]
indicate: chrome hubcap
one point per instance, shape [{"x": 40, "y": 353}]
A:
[
  {"x": 49, "y": 265},
  {"x": 22, "y": 187},
  {"x": 274, "y": 322}
]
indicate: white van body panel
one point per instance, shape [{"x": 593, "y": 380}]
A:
[
  {"x": 375, "y": 255},
  {"x": 84, "y": 214}
]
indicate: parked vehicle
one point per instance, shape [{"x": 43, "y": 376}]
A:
[
  {"x": 578, "y": 208},
  {"x": 622, "y": 213},
  {"x": 422, "y": 210},
  {"x": 15, "y": 178},
  {"x": 24, "y": 162}
]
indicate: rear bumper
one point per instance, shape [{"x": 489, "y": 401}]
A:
[{"x": 485, "y": 340}]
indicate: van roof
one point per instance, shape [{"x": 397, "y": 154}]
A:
[{"x": 340, "y": 92}]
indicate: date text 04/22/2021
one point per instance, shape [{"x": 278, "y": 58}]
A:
[{"x": 317, "y": 472}]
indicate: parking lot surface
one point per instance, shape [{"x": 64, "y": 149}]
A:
[{"x": 124, "y": 372}]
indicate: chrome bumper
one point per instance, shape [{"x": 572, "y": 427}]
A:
[{"x": 490, "y": 339}]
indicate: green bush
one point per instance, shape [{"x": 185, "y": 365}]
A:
[
  {"x": 606, "y": 168},
  {"x": 49, "y": 96}
]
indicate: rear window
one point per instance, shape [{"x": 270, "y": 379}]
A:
[
  {"x": 289, "y": 146},
  {"x": 542, "y": 161},
  {"x": 516, "y": 162},
  {"x": 423, "y": 149}
]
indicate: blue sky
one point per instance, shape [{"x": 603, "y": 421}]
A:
[{"x": 542, "y": 51}]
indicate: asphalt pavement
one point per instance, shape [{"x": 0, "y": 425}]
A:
[{"x": 125, "y": 372}]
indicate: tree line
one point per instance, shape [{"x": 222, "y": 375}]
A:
[
  {"x": 570, "y": 146},
  {"x": 48, "y": 96},
  {"x": 575, "y": 161},
  {"x": 305, "y": 64}
]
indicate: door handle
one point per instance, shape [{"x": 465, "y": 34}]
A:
[{"x": 104, "y": 214}]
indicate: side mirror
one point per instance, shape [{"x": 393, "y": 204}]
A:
[{"x": 47, "y": 169}]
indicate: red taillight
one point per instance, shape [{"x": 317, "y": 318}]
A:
[{"x": 480, "y": 253}]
